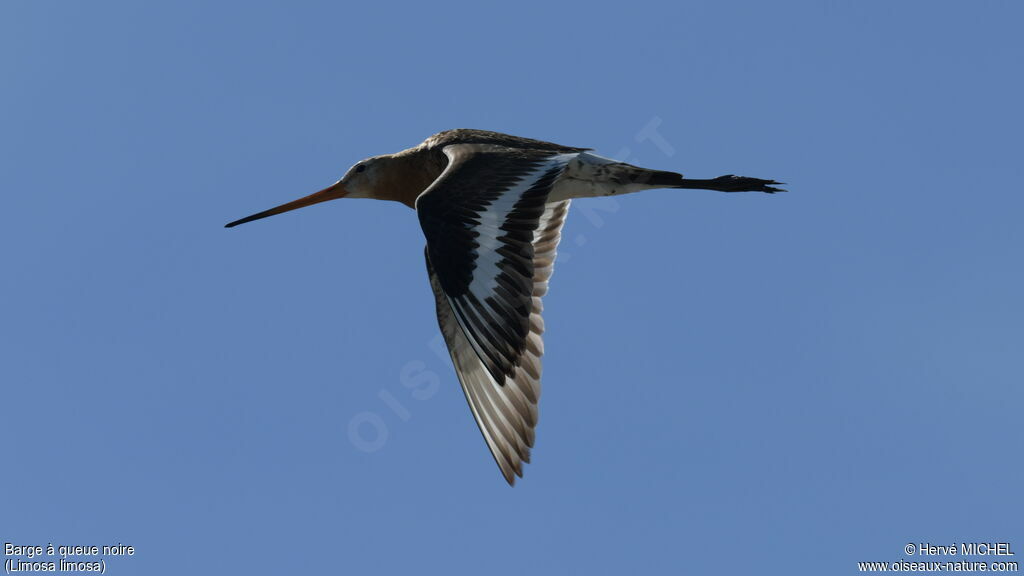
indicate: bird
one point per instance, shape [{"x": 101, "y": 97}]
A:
[{"x": 492, "y": 207}]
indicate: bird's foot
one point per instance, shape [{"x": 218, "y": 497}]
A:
[{"x": 730, "y": 183}]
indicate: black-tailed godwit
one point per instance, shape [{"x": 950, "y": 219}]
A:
[{"x": 492, "y": 207}]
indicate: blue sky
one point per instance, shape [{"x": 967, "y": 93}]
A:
[{"x": 733, "y": 383}]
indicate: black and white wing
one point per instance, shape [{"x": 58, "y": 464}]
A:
[{"x": 491, "y": 242}]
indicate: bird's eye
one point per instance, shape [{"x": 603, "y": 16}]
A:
[{"x": 360, "y": 167}]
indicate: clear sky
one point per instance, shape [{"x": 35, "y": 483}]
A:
[{"x": 736, "y": 383}]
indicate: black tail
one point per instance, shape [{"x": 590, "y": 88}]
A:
[{"x": 727, "y": 183}]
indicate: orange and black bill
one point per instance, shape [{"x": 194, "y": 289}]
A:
[{"x": 330, "y": 193}]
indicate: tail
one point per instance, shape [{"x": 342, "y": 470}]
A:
[{"x": 728, "y": 183}]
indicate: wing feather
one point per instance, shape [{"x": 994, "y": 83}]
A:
[{"x": 493, "y": 326}]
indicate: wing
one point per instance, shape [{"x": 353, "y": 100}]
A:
[
  {"x": 491, "y": 242},
  {"x": 506, "y": 412}
]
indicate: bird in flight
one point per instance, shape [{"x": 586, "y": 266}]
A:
[{"x": 492, "y": 207}]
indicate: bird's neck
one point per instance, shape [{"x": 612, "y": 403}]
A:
[{"x": 409, "y": 173}]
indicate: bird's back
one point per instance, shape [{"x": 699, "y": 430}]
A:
[{"x": 471, "y": 136}]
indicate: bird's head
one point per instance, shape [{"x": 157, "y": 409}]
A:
[{"x": 365, "y": 179}]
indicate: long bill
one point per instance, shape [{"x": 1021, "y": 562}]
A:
[{"x": 330, "y": 193}]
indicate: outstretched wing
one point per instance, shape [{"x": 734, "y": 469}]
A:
[{"x": 491, "y": 241}]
